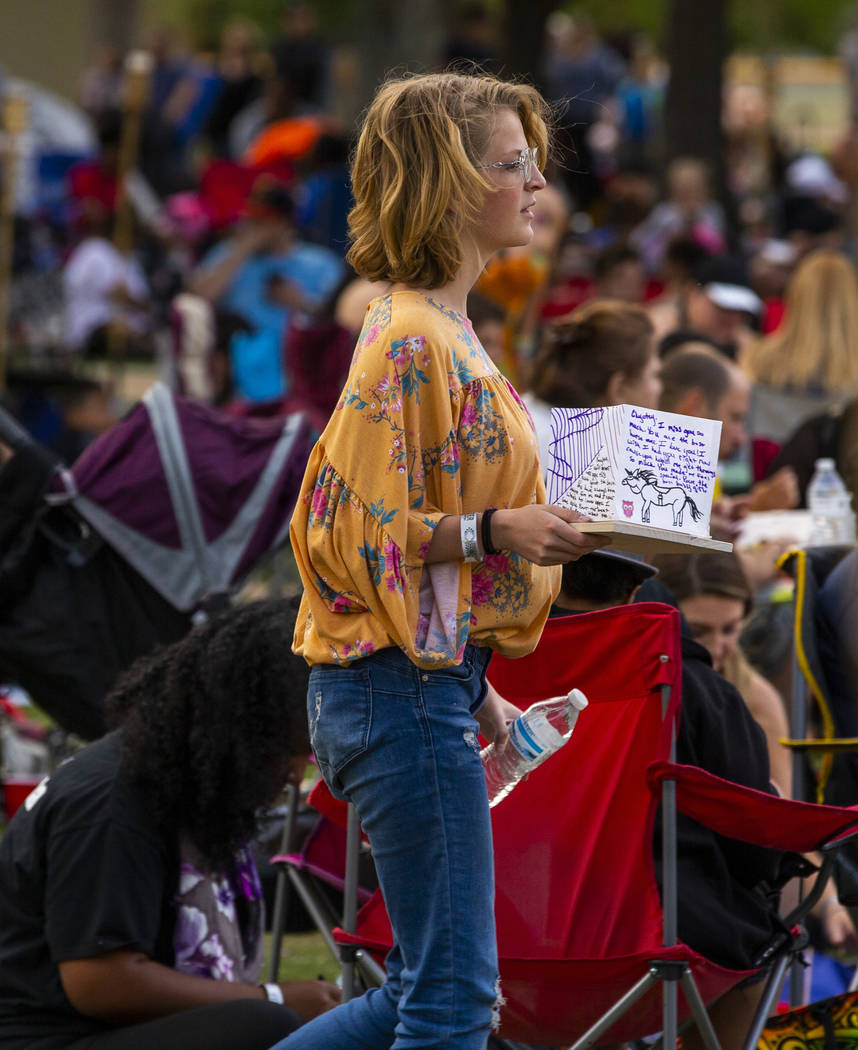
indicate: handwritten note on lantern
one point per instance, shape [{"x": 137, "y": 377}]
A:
[{"x": 635, "y": 464}]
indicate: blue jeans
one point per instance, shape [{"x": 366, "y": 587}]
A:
[{"x": 401, "y": 744}]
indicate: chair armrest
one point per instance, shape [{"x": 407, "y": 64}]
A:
[{"x": 753, "y": 816}]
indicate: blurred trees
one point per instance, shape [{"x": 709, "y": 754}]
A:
[
  {"x": 694, "y": 35},
  {"x": 761, "y": 25},
  {"x": 695, "y": 48},
  {"x": 523, "y": 35},
  {"x": 755, "y": 25},
  {"x": 117, "y": 21}
]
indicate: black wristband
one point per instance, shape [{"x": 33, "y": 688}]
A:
[{"x": 486, "y": 532}]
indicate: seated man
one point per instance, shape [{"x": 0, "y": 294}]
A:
[
  {"x": 699, "y": 381},
  {"x": 263, "y": 274},
  {"x": 125, "y": 881},
  {"x": 727, "y": 909}
]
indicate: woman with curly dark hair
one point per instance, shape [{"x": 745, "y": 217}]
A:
[{"x": 125, "y": 881}]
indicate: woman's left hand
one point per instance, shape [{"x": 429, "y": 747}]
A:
[{"x": 494, "y": 717}]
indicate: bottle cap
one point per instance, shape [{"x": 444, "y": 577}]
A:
[
  {"x": 824, "y": 464},
  {"x": 577, "y": 699}
]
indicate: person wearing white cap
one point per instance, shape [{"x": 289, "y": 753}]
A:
[
  {"x": 720, "y": 303},
  {"x": 726, "y": 284},
  {"x": 717, "y": 302},
  {"x": 812, "y": 176}
]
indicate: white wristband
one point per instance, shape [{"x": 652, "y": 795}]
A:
[
  {"x": 468, "y": 530},
  {"x": 273, "y": 993}
]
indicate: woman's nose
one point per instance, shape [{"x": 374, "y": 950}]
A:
[{"x": 537, "y": 179}]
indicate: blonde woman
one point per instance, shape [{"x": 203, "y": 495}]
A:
[
  {"x": 810, "y": 364},
  {"x": 424, "y": 543}
]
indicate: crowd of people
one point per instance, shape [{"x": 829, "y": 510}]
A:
[
  {"x": 426, "y": 291},
  {"x": 240, "y": 197}
]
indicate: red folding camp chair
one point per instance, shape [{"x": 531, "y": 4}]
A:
[
  {"x": 583, "y": 939},
  {"x": 322, "y": 861}
]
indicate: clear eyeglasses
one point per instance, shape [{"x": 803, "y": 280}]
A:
[{"x": 525, "y": 164}]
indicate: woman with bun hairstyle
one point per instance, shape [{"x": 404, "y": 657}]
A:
[
  {"x": 601, "y": 354},
  {"x": 424, "y": 543}
]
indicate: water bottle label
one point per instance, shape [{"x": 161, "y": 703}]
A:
[{"x": 534, "y": 737}]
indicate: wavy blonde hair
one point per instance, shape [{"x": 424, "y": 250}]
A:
[
  {"x": 415, "y": 184},
  {"x": 817, "y": 342}
]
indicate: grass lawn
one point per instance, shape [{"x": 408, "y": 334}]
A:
[{"x": 303, "y": 956}]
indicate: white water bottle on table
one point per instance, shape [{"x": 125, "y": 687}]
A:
[
  {"x": 535, "y": 735},
  {"x": 830, "y": 505}
]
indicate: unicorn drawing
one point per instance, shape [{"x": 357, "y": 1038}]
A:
[{"x": 645, "y": 484}]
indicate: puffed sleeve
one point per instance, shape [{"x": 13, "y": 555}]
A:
[{"x": 384, "y": 473}]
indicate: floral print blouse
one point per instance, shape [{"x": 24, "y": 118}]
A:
[
  {"x": 220, "y": 919},
  {"x": 425, "y": 427}
]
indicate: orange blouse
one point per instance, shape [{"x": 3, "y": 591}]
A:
[{"x": 425, "y": 427}]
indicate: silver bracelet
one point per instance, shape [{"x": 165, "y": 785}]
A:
[
  {"x": 468, "y": 530},
  {"x": 273, "y": 993}
]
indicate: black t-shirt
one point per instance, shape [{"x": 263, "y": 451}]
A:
[
  {"x": 726, "y": 909},
  {"x": 83, "y": 871}
]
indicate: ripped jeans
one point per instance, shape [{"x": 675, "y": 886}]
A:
[{"x": 401, "y": 743}]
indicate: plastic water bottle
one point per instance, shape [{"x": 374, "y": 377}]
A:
[
  {"x": 537, "y": 733},
  {"x": 830, "y": 505}
]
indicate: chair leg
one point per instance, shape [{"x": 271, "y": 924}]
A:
[
  {"x": 766, "y": 1004},
  {"x": 698, "y": 1012},
  {"x": 370, "y": 971},
  {"x": 637, "y": 991},
  {"x": 322, "y": 919},
  {"x": 281, "y": 884},
  {"x": 670, "y": 1009}
]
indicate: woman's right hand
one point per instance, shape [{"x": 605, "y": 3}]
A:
[{"x": 544, "y": 534}]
